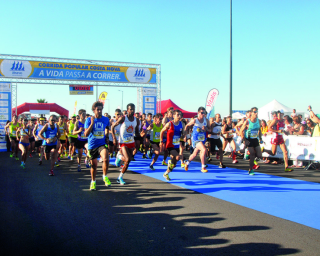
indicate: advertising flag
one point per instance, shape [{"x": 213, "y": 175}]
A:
[
  {"x": 75, "y": 108},
  {"x": 211, "y": 99},
  {"x": 103, "y": 97}
]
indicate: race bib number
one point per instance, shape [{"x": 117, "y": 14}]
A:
[
  {"x": 254, "y": 134},
  {"x": 14, "y": 133},
  {"x": 98, "y": 134},
  {"x": 201, "y": 137},
  {"x": 128, "y": 138},
  {"x": 176, "y": 140},
  {"x": 157, "y": 135},
  {"x": 82, "y": 136}
]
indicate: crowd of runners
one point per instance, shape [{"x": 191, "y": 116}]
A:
[{"x": 102, "y": 137}]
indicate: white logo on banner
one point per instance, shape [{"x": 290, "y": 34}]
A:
[
  {"x": 5, "y": 87},
  {"x": 149, "y": 92},
  {"x": 3, "y": 96},
  {"x": 4, "y": 103},
  {"x": 16, "y": 68},
  {"x": 4, "y": 117},
  {"x": 3, "y": 111},
  {"x": 138, "y": 75}
]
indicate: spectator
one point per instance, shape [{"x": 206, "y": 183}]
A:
[
  {"x": 298, "y": 128},
  {"x": 288, "y": 124},
  {"x": 310, "y": 127},
  {"x": 316, "y": 120},
  {"x": 293, "y": 113}
]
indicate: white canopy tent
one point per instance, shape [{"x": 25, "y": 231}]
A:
[
  {"x": 265, "y": 111},
  {"x": 237, "y": 115}
]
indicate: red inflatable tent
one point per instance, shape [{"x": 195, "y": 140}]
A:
[
  {"x": 165, "y": 104},
  {"x": 52, "y": 107}
]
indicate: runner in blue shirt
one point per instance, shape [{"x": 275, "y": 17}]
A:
[{"x": 97, "y": 131}]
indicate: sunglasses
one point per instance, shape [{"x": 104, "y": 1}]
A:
[
  {"x": 202, "y": 113},
  {"x": 117, "y": 114},
  {"x": 308, "y": 123},
  {"x": 255, "y": 112}
]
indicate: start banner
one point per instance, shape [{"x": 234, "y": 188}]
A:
[
  {"x": 299, "y": 147},
  {"x": 79, "y": 72}
]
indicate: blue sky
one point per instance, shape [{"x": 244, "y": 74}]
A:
[{"x": 275, "y": 47}]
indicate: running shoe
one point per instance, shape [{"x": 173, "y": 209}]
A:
[
  {"x": 164, "y": 163},
  {"x": 166, "y": 176},
  {"x": 17, "y": 158},
  {"x": 121, "y": 181},
  {"x": 59, "y": 159},
  {"x": 65, "y": 154},
  {"x": 222, "y": 166},
  {"x": 288, "y": 169},
  {"x": 186, "y": 165},
  {"x": 149, "y": 154},
  {"x": 11, "y": 155},
  {"x": 40, "y": 162},
  {"x": 117, "y": 162},
  {"x": 171, "y": 166},
  {"x": 209, "y": 159},
  {"x": 79, "y": 168},
  {"x": 51, "y": 173},
  {"x": 71, "y": 158},
  {"x": 87, "y": 165},
  {"x": 30, "y": 155},
  {"x": 151, "y": 168},
  {"x": 56, "y": 164},
  {"x": 204, "y": 169},
  {"x": 107, "y": 182},
  {"x": 93, "y": 186},
  {"x": 23, "y": 165},
  {"x": 182, "y": 165},
  {"x": 256, "y": 167},
  {"x": 251, "y": 172},
  {"x": 235, "y": 161}
]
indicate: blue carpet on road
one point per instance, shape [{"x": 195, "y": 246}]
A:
[{"x": 290, "y": 199}]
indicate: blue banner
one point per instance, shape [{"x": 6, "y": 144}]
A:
[
  {"x": 5, "y": 112},
  {"x": 150, "y": 104}
]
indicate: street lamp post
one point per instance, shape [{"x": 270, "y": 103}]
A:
[
  {"x": 230, "y": 99},
  {"x": 122, "y": 100}
]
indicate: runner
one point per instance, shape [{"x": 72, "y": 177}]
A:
[
  {"x": 32, "y": 124},
  {"x": 277, "y": 128},
  {"x": 228, "y": 131},
  {"x": 38, "y": 143},
  {"x": 128, "y": 125},
  {"x": 72, "y": 138},
  {"x": 13, "y": 127},
  {"x": 24, "y": 133},
  {"x": 155, "y": 129},
  {"x": 168, "y": 116},
  {"x": 51, "y": 141},
  {"x": 137, "y": 137},
  {"x": 215, "y": 139},
  {"x": 146, "y": 137},
  {"x": 251, "y": 134},
  {"x": 82, "y": 141},
  {"x": 118, "y": 115},
  {"x": 175, "y": 130},
  {"x": 182, "y": 144},
  {"x": 63, "y": 139},
  {"x": 97, "y": 131},
  {"x": 200, "y": 127}
]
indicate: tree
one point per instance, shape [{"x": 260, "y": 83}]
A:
[{"x": 42, "y": 101}]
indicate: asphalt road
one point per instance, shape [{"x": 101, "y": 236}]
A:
[{"x": 43, "y": 215}]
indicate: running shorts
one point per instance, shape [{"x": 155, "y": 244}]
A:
[{"x": 95, "y": 152}]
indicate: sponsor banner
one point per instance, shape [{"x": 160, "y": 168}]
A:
[
  {"x": 211, "y": 99},
  {"x": 80, "y": 89},
  {"x": 149, "y": 104},
  {"x": 80, "y": 72},
  {"x": 103, "y": 97},
  {"x": 299, "y": 147},
  {"x": 3, "y": 147},
  {"x": 5, "y": 102}
]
